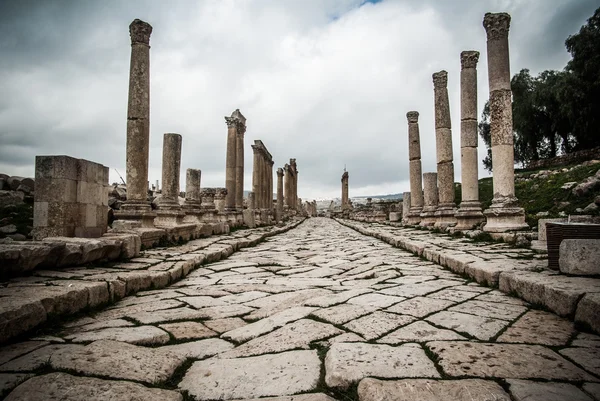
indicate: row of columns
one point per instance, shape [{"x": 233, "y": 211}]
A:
[
  {"x": 436, "y": 205},
  {"x": 262, "y": 177}
]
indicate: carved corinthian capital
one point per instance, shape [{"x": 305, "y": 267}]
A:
[
  {"x": 496, "y": 25},
  {"x": 412, "y": 116},
  {"x": 469, "y": 59},
  {"x": 440, "y": 79},
  {"x": 140, "y": 32}
]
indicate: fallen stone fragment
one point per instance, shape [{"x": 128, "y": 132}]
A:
[
  {"x": 64, "y": 387},
  {"x": 430, "y": 390},
  {"x": 348, "y": 363},
  {"x": 267, "y": 375},
  {"x": 524, "y": 390},
  {"x": 119, "y": 361}
]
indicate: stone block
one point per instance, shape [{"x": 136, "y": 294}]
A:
[
  {"x": 395, "y": 216},
  {"x": 580, "y": 257},
  {"x": 542, "y": 226}
]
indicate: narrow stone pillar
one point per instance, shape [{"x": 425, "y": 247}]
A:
[
  {"x": 345, "y": 177},
  {"x": 136, "y": 209},
  {"x": 287, "y": 186},
  {"x": 504, "y": 214},
  {"x": 230, "y": 163},
  {"x": 405, "y": 206},
  {"x": 168, "y": 209},
  {"x": 469, "y": 214},
  {"x": 443, "y": 140},
  {"x": 270, "y": 185},
  {"x": 192, "y": 188},
  {"x": 263, "y": 183},
  {"x": 256, "y": 166},
  {"x": 430, "y": 199},
  {"x": 414, "y": 156},
  {"x": 239, "y": 167},
  {"x": 279, "y": 211}
]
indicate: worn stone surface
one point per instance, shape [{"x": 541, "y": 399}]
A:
[
  {"x": 588, "y": 358},
  {"x": 430, "y": 390},
  {"x": 525, "y": 390},
  {"x": 268, "y": 375},
  {"x": 480, "y": 327},
  {"x": 348, "y": 363},
  {"x": 376, "y": 324},
  {"x": 418, "y": 332},
  {"x": 538, "y": 327},
  {"x": 199, "y": 349},
  {"x": 188, "y": 330},
  {"x": 579, "y": 256},
  {"x": 141, "y": 335}
]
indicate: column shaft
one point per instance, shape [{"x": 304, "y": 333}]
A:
[
  {"x": 255, "y": 175},
  {"x": 230, "y": 162},
  {"x": 171, "y": 164},
  {"x": 414, "y": 155},
  {"x": 279, "y": 214},
  {"x": 239, "y": 169}
]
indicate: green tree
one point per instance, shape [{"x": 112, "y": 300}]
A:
[{"x": 484, "y": 132}]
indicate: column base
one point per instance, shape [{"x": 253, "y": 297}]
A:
[
  {"x": 469, "y": 215},
  {"x": 444, "y": 216},
  {"x": 192, "y": 216},
  {"x": 428, "y": 216},
  {"x": 503, "y": 219},
  {"x": 414, "y": 216},
  {"x": 134, "y": 215},
  {"x": 166, "y": 218}
]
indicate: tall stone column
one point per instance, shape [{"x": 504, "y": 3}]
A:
[
  {"x": 504, "y": 214},
  {"x": 469, "y": 214},
  {"x": 256, "y": 166},
  {"x": 193, "y": 201},
  {"x": 405, "y": 206},
  {"x": 239, "y": 167},
  {"x": 279, "y": 211},
  {"x": 264, "y": 181},
  {"x": 430, "y": 199},
  {"x": 136, "y": 209},
  {"x": 230, "y": 163},
  {"x": 345, "y": 177},
  {"x": 444, "y": 215},
  {"x": 287, "y": 186},
  {"x": 414, "y": 156},
  {"x": 270, "y": 185},
  {"x": 168, "y": 209}
]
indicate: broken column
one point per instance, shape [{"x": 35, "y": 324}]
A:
[
  {"x": 169, "y": 211},
  {"x": 414, "y": 156},
  {"x": 469, "y": 214},
  {"x": 136, "y": 210},
  {"x": 279, "y": 210},
  {"x": 405, "y": 207},
  {"x": 193, "y": 202},
  {"x": 220, "y": 198},
  {"x": 345, "y": 177},
  {"x": 430, "y": 199},
  {"x": 444, "y": 215},
  {"x": 504, "y": 214}
]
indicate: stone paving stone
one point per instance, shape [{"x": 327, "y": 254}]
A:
[
  {"x": 419, "y": 331},
  {"x": 588, "y": 358},
  {"x": 243, "y": 297},
  {"x": 420, "y": 306},
  {"x": 593, "y": 389},
  {"x": 453, "y": 295},
  {"x": 497, "y": 296},
  {"x": 199, "y": 349},
  {"x": 118, "y": 312},
  {"x": 525, "y": 390},
  {"x": 348, "y": 363},
  {"x": 342, "y": 338},
  {"x": 268, "y": 324},
  {"x": 276, "y": 303},
  {"x": 343, "y": 313},
  {"x": 14, "y": 350},
  {"x": 169, "y": 315},
  {"x": 266, "y": 375},
  {"x": 103, "y": 324},
  {"x": 188, "y": 330},
  {"x": 318, "y": 272},
  {"x": 298, "y": 397},
  {"x": 140, "y": 335},
  {"x": 221, "y": 312},
  {"x": 586, "y": 340},
  {"x": 64, "y": 387},
  {"x": 420, "y": 289},
  {"x": 511, "y": 361},
  {"x": 291, "y": 336},
  {"x": 479, "y": 327},
  {"x": 329, "y": 300},
  {"x": 489, "y": 309},
  {"x": 8, "y": 381},
  {"x": 225, "y": 324},
  {"x": 202, "y": 302},
  {"x": 538, "y": 327},
  {"x": 35, "y": 359},
  {"x": 376, "y": 300},
  {"x": 118, "y": 360},
  {"x": 376, "y": 324},
  {"x": 430, "y": 390}
]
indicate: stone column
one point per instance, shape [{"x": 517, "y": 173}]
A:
[
  {"x": 469, "y": 214},
  {"x": 136, "y": 209},
  {"x": 270, "y": 186},
  {"x": 264, "y": 181},
  {"x": 230, "y": 163},
  {"x": 256, "y": 165},
  {"x": 504, "y": 214},
  {"x": 219, "y": 199},
  {"x": 405, "y": 206},
  {"x": 192, "y": 188},
  {"x": 279, "y": 212},
  {"x": 287, "y": 186},
  {"x": 414, "y": 156},
  {"x": 430, "y": 199},
  {"x": 239, "y": 168},
  {"x": 345, "y": 177},
  {"x": 443, "y": 144},
  {"x": 168, "y": 209}
]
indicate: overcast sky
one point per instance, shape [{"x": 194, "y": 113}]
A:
[{"x": 327, "y": 82}]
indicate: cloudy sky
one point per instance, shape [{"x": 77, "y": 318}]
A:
[{"x": 328, "y": 82}]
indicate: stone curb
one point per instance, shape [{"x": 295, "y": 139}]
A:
[
  {"x": 26, "y": 303},
  {"x": 577, "y": 298}
]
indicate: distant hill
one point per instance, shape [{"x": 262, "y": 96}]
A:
[{"x": 389, "y": 196}]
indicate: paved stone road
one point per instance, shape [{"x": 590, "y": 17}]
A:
[{"x": 321, "y": 311}]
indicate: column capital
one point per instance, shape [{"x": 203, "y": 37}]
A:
[
  {"x": 140, "y": 32},
  {"x": 496, "y": 25},
  {"x": 280, "y": 172},
  {"x": 412, "y": 116},
  {"x": 440, "y": 79},
  {"x": 469, "y": 59}
]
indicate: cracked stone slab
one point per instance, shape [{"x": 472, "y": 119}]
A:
[
  {"x": 202, "y": 301},
  {"x": 199, "y": 349},
  {"x": 419, "y": 331},
  {"x": 588, "y": 358},
  {"x": 377, "y": 323},
  {"x": 266, "y": 375},
  {"x": 8, "y": 381},
  {"x": 183, "y": 313},
  {"x": 140, "y": 335},
  {"x": 224, "y": 325},
  {"x": 65, "y": 387},
  {"x": 298, "y": 397},
  {"x": 291, "y": 336},
  {"x": 188, "y": 330},
  {"x": 479, "y": 327},
  {"x": 278, "y": 302},
  {"x": 15, "y": 350},
  {"x": 420, "y": 306},
  {"x": 490, "y": 309},
  {"x": 348, "y": 363},
  {"x": 268, "y": 324},
  {"x": 343, "y": 313},
  {"x": 337, "y": 298},
  {"x": 510, "y": 361},
  {"x": 35, "y": 359},
  {"x": 525, "y": 390},
  {"x": 593, "y": 389},
  {"x": 430, "y": 390},
  {"x": 118, "y": 360},
  {"x": 376, "y": 300},
  {"x": 539, "y": 327}
]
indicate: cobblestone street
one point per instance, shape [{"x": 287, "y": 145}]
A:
[{"x": 321, "y": 311}]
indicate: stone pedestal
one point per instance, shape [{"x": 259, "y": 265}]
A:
[
  {"x": 504, "y": 214},
  {"x": 136, "y": 211},
  {"x": 169, "y": 211},
  {"x": 414, "y": 155},
  {"x": 469, "y": 213},
  {"x": 209, "y": 211},
  {"x": 430, "y": 199},
  {"x": 446, "y": 209}
]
